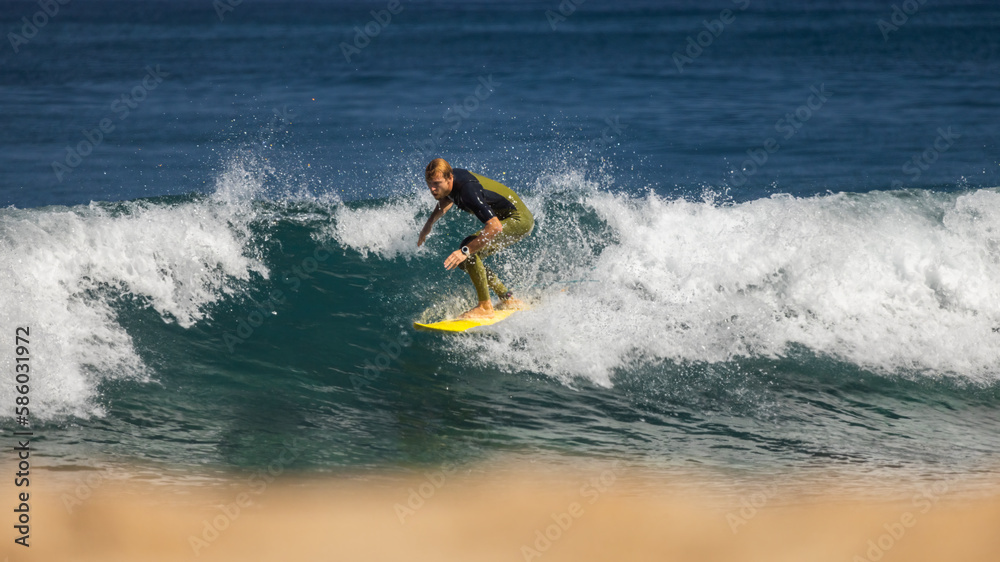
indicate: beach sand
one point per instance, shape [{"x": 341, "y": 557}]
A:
[{"x": 514, "y": 514}]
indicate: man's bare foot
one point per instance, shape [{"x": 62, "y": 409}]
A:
[
  {"x": 512, "y": 304},
  {"x": 484, "y": 310}
]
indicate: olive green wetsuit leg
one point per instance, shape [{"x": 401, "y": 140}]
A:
[{"x": 515, "y": 227}]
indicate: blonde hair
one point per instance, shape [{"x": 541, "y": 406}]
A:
[{"x": 437, "y": 166}]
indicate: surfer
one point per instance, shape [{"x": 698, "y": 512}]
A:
[{"x": 506, "y": 220}]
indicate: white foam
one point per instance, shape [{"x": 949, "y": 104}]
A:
[
  {"x": 900, "y": 283},
  {"x": 62, "y": 268},
  {"x": 388, "y": 231}
]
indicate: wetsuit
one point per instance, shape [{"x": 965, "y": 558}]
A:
[{"x": 486, "y": 199}]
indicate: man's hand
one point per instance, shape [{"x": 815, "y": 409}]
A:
[
  {"x": 454, "y": 259},
  {"x": 423, "y": 236}
]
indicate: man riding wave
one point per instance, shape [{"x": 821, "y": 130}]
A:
[{"x": 506, "y": 220}]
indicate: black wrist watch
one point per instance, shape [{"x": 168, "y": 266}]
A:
[{"x": 465, "y": 250}]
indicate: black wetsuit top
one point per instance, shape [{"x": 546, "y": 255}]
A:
[{"x": 470, "y": 196}]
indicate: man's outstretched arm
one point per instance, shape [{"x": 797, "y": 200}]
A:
[{"x": 439, "y": 211}]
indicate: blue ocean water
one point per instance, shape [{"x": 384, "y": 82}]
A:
[{"x": 768, "y": 233}]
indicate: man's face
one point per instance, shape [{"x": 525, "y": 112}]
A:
[{"x": 440, "y": 187}]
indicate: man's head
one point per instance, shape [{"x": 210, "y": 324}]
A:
[{"x": 439, "y": 178}]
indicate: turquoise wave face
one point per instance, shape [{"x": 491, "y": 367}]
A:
[{"x": 214, "y": 330}]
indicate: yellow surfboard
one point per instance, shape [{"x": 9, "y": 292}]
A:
[{"x": 461, "y": 325}]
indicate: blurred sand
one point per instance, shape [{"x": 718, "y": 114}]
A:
[{"x": 492, "y": 515}]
